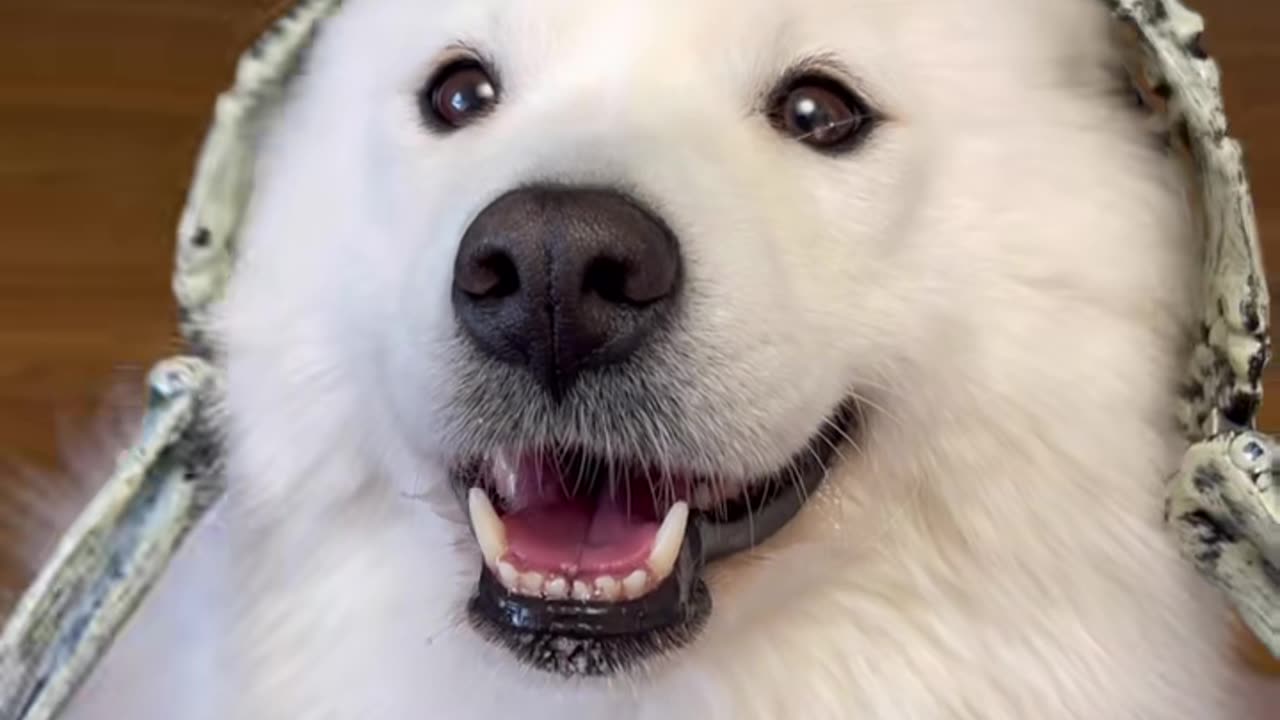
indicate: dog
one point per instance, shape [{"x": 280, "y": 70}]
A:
[{"x": 723, "y": 359}]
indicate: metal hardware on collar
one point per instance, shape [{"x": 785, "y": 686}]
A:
[{"x": 1223, "y": 503}]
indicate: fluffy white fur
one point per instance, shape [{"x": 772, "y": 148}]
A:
[{"x": 1005, "y": 273}]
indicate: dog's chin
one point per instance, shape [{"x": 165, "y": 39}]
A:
[{"x": 591, "y": 564}]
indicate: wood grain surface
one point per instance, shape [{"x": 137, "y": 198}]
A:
[{"x": 103, "y": 104}]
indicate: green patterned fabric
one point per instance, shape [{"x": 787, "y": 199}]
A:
[{"x": 1223, "y": 504}]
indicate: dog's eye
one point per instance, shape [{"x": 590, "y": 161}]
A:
[
  {"x": 821, "y": 113},
  {"x": 459, "y": 94}
]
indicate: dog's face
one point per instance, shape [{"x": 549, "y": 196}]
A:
[{"x": 633, "y": 281}]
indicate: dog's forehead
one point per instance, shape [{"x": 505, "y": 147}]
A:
[
  {"x": 530, "y": 33},
  {"x": 576, "y": 20},
  {"x": 728, "y": 46}
]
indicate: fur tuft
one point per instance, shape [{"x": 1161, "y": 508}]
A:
[{"x": 38, "y": 505}]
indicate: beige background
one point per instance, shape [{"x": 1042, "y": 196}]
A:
[{"x": 102, "y": 106}]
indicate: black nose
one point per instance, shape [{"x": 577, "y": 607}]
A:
[{"x": 561, "y": 280}]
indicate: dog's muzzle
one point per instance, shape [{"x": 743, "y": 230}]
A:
[{"x": 593, "y": 560}]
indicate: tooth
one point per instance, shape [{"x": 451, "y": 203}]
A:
[
  {"x": 666, "y": 545},
  {"x": 635, "y": 584},
  {"x": 509, "y": 576},
  {"x": 607, "y": 588},
  {"x": 581, "y": 591},
  {"x": 490, "y": 532},
  {"x": 531, "y": 583},
  {"x": 557, "y": 589}
]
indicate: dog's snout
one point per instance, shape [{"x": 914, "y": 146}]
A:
[{"x": 559, "y": 280}]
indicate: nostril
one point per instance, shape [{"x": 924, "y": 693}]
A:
[
  {"x": 492, "y": 275},
  {"x": 620, "y": 282},
  {"x": 607, "y": 279},
  {"x": 653, "y": 281}
]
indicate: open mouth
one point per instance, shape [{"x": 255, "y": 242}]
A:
[{"x": 592, "y": 563}]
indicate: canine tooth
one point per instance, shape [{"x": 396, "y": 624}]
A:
[
  {"x": 607, "y": 588},
  {"x": 490, "y": 532},
  {"x": 509, "y": 576},
  {"x": 635, "y": 584},
  {"x": 666, "y": 545},
  {"x": 581, "y": 591},
  {"x": 531, "y": 583},
  {"x": 556, "y": 589}
]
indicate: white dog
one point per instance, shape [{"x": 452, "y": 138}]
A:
[{"x": 788, "y": 360}]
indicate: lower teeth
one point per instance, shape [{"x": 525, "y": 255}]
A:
[
  {"x": 674, "y": 601},
  {"x": 491, "y": 535}
]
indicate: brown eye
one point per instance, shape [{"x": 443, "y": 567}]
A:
[
  {"x": 458, "y": 95},
  {"x": 821, "y": 113}
]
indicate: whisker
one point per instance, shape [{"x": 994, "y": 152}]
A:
[
  {"x": 797, "y": 480},
  {"x": 837, "y": 447}
]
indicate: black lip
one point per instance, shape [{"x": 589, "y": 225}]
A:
[
  {"x": 590, "y": 640},
  {"x": 596, "y": 639},
  {"x": 764, "y": 512}
]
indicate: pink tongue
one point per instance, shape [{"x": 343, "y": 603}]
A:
[{"x": 575, "y": 537}]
